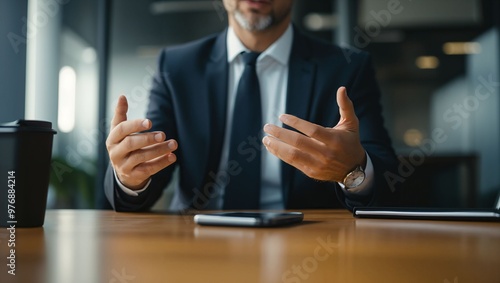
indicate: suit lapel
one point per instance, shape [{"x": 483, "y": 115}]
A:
[
  {"x": 301, "y": 75},
  {"x": 217, "y": 76}
]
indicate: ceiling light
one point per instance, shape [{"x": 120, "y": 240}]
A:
[
  {"x": 413, "y": 137},
  {"x": 461, "y": 48},
  {"x": 427, "y": 62},
  {"x": 318, "y": 22}
]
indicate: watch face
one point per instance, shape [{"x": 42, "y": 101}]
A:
[{"x": 354, "y": 179}]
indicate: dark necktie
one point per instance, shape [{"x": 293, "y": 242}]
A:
[{"x": 243, "y": 188}]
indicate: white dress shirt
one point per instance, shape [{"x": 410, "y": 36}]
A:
[{"x": 272, "y": 71}]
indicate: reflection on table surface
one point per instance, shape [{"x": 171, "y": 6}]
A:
[{"x": 330, "y": 246}]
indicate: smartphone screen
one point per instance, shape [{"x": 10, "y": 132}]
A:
[{"x": 252, "y": 219}]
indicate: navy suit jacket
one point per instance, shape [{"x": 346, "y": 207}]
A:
[{"x": 188, "y": 102}]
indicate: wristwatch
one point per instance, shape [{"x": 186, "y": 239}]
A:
[{"x": 354, "y": 178}]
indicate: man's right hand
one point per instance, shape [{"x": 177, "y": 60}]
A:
[{"x": 137, "y": 156}]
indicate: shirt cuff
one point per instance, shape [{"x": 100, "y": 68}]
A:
[
  {"x": 128, "y": 191},
  {"x": 365, "y": 187}
]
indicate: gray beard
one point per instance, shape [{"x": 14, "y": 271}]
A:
[{"x": 261, "y": 24}]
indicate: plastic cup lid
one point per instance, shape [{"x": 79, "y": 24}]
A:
[{"x": 27, "y": 125}]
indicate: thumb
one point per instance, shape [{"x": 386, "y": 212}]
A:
[
  {"x": 120, "y": 111},
  {"x": 348, "y": 120}
]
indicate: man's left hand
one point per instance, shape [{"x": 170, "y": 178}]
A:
[{"x": 322, "y": 153}]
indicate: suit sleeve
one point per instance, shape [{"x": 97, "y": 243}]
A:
[
  {"x": 365, "y": 94},
  {"x": 160, "y": 112}
]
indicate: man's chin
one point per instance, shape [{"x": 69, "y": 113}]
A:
[{"x": 253, "y": 22}]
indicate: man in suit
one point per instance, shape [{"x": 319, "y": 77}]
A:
[{"x": 330, "y": 150}]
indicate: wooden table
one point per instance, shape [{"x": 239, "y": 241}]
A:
[{"x": 330, "y": 246}]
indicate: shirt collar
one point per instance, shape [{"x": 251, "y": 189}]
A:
[{"x": 279, "y": 50}]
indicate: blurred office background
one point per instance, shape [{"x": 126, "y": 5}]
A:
[{"x": 437, "y": 63}]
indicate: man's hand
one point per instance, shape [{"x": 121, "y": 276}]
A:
[
  {"x": 326, "y": 154},
  {"x": 136, "y": 156}
]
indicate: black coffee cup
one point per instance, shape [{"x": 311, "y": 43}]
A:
[{"x": 25, "y": 156}]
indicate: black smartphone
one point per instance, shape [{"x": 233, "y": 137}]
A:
[{"x": 251, "y": 219}]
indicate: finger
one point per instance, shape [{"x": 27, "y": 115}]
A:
[
  {"x": 309, "y": 129},
  {"x": 149, "y": 153},
  {"x": 120, "y": 111},
  {"x": 149, "y": 168},
  {"x": 136, "y": 142},
  {"x": 294, "y": 139},
  {"x": 348, "y": 119},
  {"x": 127, "y": 128},
  {"x": 289, "y": 154}
]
